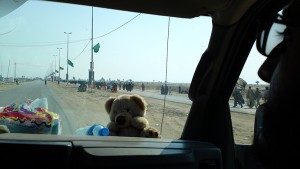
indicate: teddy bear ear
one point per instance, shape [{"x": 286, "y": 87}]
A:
[
  {"x": 108, "y": 103},
  {"x": 141, "y": 101}
]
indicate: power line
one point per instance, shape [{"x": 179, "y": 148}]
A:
[
  {"x": 118, "y": 27},
  {"x": 166, "y": 80},
  {"x": 62, "y": 43},
  {"x": 106, "y": 34},
  {"x": 41, "y": 45},
  {"x": 30, "y": 65},
  {"x": 82, "y": 50},
  {"x": 8, "y": 31}
]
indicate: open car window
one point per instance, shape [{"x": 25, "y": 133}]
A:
[
  {"x": 69, "y": 59},
  {"x": 244, "y": 102}
]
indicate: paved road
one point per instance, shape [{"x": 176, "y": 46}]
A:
[{"x": 183, "y": 98}]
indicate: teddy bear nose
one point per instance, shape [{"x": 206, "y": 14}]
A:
[{"x": 121, "y": 120}]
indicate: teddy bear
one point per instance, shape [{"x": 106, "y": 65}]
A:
[{"x": 127, "y": 117}]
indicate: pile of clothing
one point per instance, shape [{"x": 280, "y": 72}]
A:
[{"x": 31, "y": 116}]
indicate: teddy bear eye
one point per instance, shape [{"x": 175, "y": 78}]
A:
[{"x": 127, "y": 110}]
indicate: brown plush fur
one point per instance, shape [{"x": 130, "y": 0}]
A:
[{"x": 127, "y": 117}]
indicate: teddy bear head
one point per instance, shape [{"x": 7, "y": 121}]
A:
[{"x": 123, "y": 108}]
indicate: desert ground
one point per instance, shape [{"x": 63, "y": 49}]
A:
[{"x": 170, "y": 124}]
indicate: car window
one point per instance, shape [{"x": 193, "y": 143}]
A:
[
  {"x": 243, "y": 102},
  {"x": 50, "y": 52}
]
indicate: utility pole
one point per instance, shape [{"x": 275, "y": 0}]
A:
[
  {"x": 67, "y": 75},
  {"x": 8, "y": 69},
  {"x": 52, "y": 75},
  {"x": 15, "y": 73},
  {"x": 58, "y": 65},
  {"x": 91, "y": 71},
  {"x": 54, "y": 67}
]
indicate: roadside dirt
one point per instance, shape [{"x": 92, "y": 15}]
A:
[{"x": 168, "y": 117}]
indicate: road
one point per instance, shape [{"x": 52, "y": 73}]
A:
[{"x": 183, "y": 98}]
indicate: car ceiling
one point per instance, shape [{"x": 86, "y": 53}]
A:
[
  {"x": 7, "y": 6},
  {"x": 223, "y": 12}
]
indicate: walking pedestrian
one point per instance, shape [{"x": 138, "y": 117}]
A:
[
  {"x": 170, "y": 91},
  {"x": 258, "y": 96},
  {"x": 162, "y": 89},
  {"x": 166, "y": 89},
  {"x": 250, "y": 97},
  {"x": 237, "y": 97},
  {"x": 120, "y": 85},
  {"x": 143, "y": 87},
  {"x": 265, "y": 95}
]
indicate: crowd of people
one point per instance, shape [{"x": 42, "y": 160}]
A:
[
  {"x": 253, "y": 98},
  {"x": 165, "y": 89}
]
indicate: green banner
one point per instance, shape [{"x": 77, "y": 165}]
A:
[
  {"x": 96, "y": 48},
  {"x": 70, "y": 63}
]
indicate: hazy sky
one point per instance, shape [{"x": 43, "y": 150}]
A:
[{"x": 133, "y": 46}]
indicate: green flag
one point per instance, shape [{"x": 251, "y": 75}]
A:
[
  {"x": 56, "y": 71},
  {"x": 61, "y": 68},
  {"x": 96, "y": 48},
  {"x": 70, "y": 63}
]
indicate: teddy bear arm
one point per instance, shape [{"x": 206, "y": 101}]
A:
[
  {"x": 129, "y": 132},
  {"x": 113, "y": 127},
  {"x": 139, "y": 122},
  {"x": 150, "y": 133}
]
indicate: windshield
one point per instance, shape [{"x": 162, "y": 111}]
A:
[
  {"x": 69, "y": 59},
  {"x": 74, "y": 55}
]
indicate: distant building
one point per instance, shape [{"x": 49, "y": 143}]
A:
[{"x": 9, "y": 80}]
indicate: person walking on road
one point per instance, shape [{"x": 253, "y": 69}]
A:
[
  {"x": 250, "y": 97},
  {"x": 143, "y": 87},
  {"x": 166, "y": 89},
  {"x": 237, "y": 97},
  {"x": 258, "y": 96},
  {"x": 162, "y": 89},
  {"x": 265, "y": 96},
  {"x": 170, "y": 91}
]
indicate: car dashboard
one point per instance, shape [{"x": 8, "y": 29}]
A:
[{"x": 46, "y": 151}]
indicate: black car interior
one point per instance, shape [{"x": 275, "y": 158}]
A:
[{"x": 207, "y": 140}]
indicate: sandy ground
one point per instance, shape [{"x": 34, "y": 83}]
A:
[
  {"x": 170, "y": 123},
  {"x": 6, "y": 86}
]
